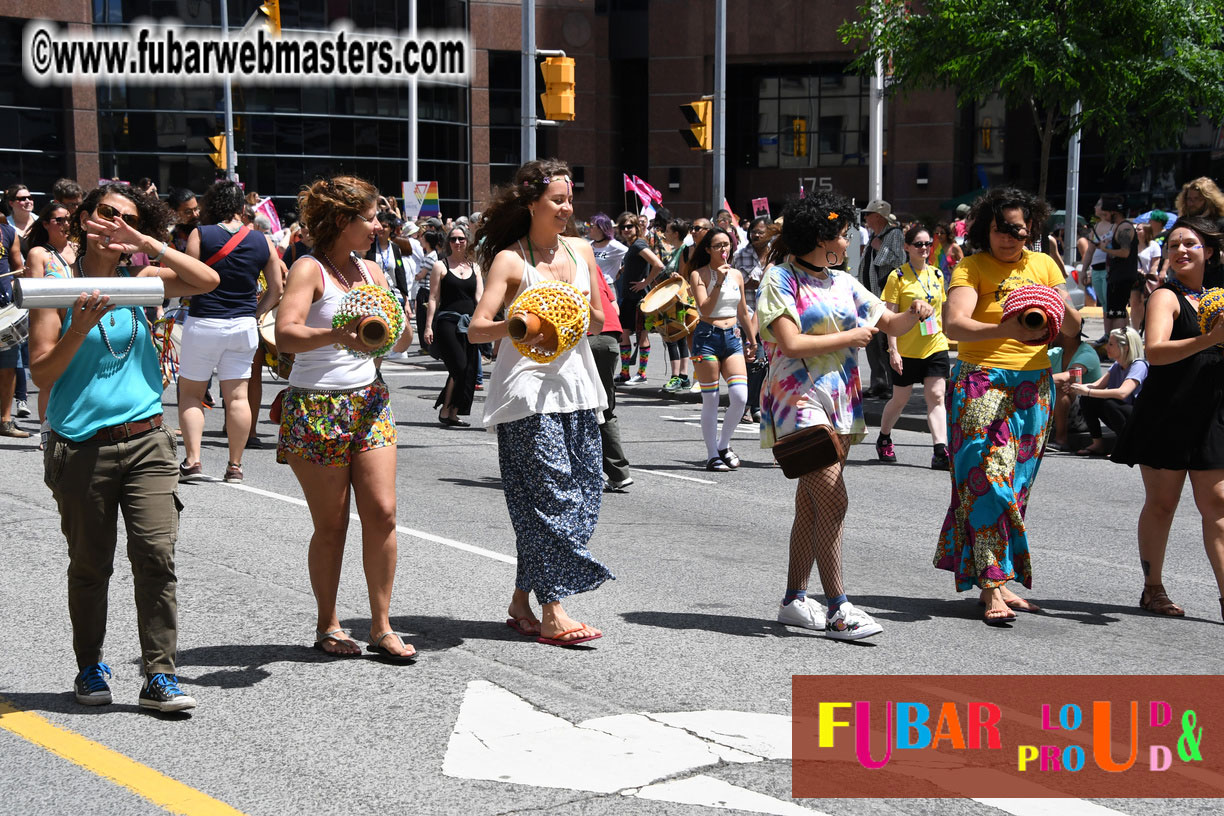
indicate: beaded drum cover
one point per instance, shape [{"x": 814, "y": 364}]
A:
[
  {"x": 1045, "y": 298},
  {"x": 368, "y": 300},
  {"x": 562, "y": 307},
  {"x": 1211, "y": 306}
]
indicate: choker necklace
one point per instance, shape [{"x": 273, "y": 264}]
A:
[
  {"x": 1184, "y": 289},
  {"x": 550, "y": 250},
  {"x": 822, "y": 272}
]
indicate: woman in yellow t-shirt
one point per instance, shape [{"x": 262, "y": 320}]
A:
[
  {"x": 921, "y": 354},
  {"x": 999, "y": 402}
]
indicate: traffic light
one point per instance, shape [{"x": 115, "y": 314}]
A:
[
  {"x": 221, "y": 155},
  {"x": 271, "y": 10},
  {"x": 558, "y": 96},
  {"x": 700, "y": 134}
]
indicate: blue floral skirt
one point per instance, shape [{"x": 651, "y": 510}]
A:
[
  {"x": 998, "y": 421},
  {"x": 552, "y": 475}
]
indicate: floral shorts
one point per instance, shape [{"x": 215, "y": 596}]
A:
[{"x": 328, "y": 427}]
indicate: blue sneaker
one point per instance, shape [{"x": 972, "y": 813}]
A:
[
  {"x": 91, "y": 687},
  {"x": 162, "y": 692}
]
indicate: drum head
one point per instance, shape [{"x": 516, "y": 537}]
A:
[
  {"x": 662, "y": 296},
  {"x": 267, "y": 328}
]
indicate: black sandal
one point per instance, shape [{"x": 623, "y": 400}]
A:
[
  {"x": 717, "y": 465},
  {"x": 728, "y": 456}
]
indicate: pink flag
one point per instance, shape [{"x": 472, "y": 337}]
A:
[
  {"x": 267, "y": 208},
  {"x": 630, "y": 187},
  {"x": 633, "y": 185},
  {"x": 651, "y": 193}
]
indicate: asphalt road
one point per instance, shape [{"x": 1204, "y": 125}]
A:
[{"x": 488, "y": 722}]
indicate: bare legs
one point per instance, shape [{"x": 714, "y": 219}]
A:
[
  {"x": 191, "y": 417},
  {"x": 328, "y": 492}
]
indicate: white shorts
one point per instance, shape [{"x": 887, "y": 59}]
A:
[{"x": 224, "y": 344}]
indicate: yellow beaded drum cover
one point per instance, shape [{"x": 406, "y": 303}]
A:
[
  {"x": 562, "y": 307},
  {"x": 1211, "y": 306},
  {"x": 368, "y": 300}
]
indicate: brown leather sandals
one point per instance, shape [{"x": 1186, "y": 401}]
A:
[{"x": 1155, "y": 600}]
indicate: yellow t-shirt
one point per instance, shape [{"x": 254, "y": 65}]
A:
[
  {"x": 904, "y": 286},
  {"x": 994, "y": 281}
]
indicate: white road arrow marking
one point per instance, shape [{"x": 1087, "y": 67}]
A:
[{"x": 503, "y": 738}]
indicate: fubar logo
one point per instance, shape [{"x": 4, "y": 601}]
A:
[{"x": 1006, "y": 736}]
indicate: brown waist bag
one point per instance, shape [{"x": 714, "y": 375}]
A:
[{"x": 807, "y": 450}]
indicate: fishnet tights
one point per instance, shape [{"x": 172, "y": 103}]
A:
[{"x": 816, "y": 535}]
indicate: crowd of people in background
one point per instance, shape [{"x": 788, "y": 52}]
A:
[{"x": 774, "y": 310}]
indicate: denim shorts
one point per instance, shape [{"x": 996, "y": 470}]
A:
[{"x": 713, "y": 343}]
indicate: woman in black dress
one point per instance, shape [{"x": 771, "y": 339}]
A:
[
  {"x": 454, "y": 289},
  {"x": 1178, "y": 422}
]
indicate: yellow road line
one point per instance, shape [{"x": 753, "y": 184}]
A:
[{"x": 142, "y": 780}]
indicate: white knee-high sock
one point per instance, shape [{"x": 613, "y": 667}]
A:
[
  {"x": 709, "y": 417},
  {"x": 737, "y": 387}
]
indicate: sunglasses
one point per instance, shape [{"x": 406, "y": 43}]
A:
[
  {"x": 921, "y": 244},
  {"x": 110, "y": 213},
  {"x": 22, "y": 198},
  {"x": 61, "y": 221},
  {"x": 623, "y": 227},
  {"x": 457, "y": 239}
]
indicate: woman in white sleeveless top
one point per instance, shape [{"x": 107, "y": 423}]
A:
[
  {"x": 546, "y": 414},
  {"x": 337, "y": 432}
]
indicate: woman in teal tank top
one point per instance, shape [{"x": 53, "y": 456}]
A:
[{"x": 107, "y": 451}]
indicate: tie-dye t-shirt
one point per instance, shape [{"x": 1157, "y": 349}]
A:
[{"x": 820, "y": 390}]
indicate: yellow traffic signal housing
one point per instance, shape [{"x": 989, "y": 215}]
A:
[
  {"x": 558, "y": 97},
  {"x": 221, "y": 155},
  {"x": 799, "y": 129},
  {"x": 271, "y": 10},
  {"x": 700, "y": 133}
]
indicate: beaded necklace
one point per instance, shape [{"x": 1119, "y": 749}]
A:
[
  {"x": 336, "y": 272},
  {"x": 1184, "y": 289},
  {"x": 102, "y": 330}
]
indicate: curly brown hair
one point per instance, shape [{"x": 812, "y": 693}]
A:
[
  {"x": 328, "y": 206},
  {"x": 155, "y": 217},
  {"x": 507, "y": 218}
]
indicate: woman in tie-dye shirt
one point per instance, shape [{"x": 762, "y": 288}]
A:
[{"x": 814, "y": 319}]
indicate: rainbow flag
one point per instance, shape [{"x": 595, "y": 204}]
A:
[{"x": 420, "y": 199}]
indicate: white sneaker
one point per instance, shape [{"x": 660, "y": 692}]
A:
[
  {"x": 851, "y": 623},
  {"x": 637, "y": 379},
  {"x": 806, "y": 613},
  {"x": 23, "y": 410}
]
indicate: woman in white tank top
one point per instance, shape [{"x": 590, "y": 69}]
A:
[
  {"x": 337, "y": 431},
  {"x": 546, "y": 414},
  {"x": 719, "y": 344}
]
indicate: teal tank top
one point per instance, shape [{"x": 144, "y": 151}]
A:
[{"x": 101, "y": 388}]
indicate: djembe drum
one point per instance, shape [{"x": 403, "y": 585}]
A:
[
  {"x": 1211, "y": 306},
  {"x": 670, "y": 309},
  {"x": 380, "y": 319},
  {"x": 1038, "y": 307},
  {"x": 555, "y": 309}
]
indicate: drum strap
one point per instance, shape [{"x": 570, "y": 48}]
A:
[{"x": 234, "y": 241}]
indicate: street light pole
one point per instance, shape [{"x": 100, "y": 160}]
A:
[
  {"x": 1071, "y": 222},
  {"x": 720, "y": 104},
  {"x": 527, "y": 101},
  {"x": 875, "y": 134},
  {"x": 231, "y": 154}
]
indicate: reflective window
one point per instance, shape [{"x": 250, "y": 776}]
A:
[{"x": 809, "y": 119}]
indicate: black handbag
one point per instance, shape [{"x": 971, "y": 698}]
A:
[{"x": 807, "y": 450}]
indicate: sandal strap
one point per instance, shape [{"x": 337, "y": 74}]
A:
[
  {"x": 1155, "y": 599},
  {"x": 321, "y": 635}
]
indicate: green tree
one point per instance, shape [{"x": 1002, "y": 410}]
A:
[{"x": 1143, "y": 69}]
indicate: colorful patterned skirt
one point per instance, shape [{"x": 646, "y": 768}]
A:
[
  {"x": 552, "y": 475},
  {"x": 998, "y": 421}
]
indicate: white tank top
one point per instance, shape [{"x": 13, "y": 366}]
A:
[
  {"x": 520, "y": 387},
  {"x": 329, "y": 367},
  {"x": 727, "y": 304}
]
